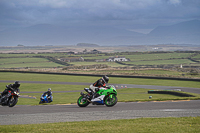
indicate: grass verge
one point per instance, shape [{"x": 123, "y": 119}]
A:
[
  {"x": 90, "y": 79},
  {"x": 153, "y": 125}
]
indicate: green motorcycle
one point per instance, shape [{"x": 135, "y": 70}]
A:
[{"x": 106, "y": 96}]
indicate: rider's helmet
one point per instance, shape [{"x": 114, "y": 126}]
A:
[
  {"x": 49, "y": 89},
  {"x": 105, "y": 79},
  {"x": 17, "y": 84}
]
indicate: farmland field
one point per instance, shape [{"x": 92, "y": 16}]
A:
[
  {"x": 154, "y": 63},
  {"x": 161, "y": 62},
  {"x": 144, "y": 56},
  {"x": 26, "y": 62}
]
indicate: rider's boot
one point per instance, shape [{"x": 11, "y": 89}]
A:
[
  {"x": 2, "y": 99},
  {"x": 90, "y": 93},
  {"x": 95, "y": 95}
]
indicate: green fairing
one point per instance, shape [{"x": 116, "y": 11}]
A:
[
  {"x": 107, "y": 97},
  {"x": 107, "y": 91}
]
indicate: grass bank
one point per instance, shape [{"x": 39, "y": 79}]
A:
[
  {"x": 153, "y": 125},
  {"x": 90, "y": 79}
]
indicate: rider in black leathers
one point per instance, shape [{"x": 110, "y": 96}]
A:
[
  {"x": 99, "y": 84},
  {"x": 11, "y": 87}
]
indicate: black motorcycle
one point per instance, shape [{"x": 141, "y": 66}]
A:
[{"x": 9, "y": 99}]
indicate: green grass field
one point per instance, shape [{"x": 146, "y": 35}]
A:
[
  {"x": 161, "y": 62},
  {"x": 156, "y": 56},
  {"x": 154, "y": 125},
  {"x": 27, "y": 62},
  {"x": 111, "y": 64},
  {"x": 138, "y": 60},
  {"x": 140, "y": 125},
  {"x": 138, "y": 72},
  {"x": 91, "y": 79},
  {"x": 135, "y": 58}
]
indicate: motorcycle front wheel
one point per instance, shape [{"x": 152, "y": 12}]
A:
[
  {"x": 110, "y": 100},
  {"x": 13, "y": 101},
  {"x": 82, "y": 102}
]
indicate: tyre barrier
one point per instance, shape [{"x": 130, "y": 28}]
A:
[{"x": 170, "y": 92}]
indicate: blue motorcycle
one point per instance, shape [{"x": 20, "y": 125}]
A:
[{"x": 46, "y": 99}]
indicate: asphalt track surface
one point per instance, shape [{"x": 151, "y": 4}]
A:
[{"x": 23, "y": 114}]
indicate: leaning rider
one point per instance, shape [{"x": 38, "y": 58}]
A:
[
  {"x": 10, "y": 87},
  {"x": 49, "y": 95},
  {"x": 99, "y": 84}
]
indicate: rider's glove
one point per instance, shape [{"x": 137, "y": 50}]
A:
[
  {"x": 96, "y": 89},
  {"x": 108, "y": 87}
]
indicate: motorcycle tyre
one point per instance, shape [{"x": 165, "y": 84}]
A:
[
  {"x": 14, "y": 102},
  {"x": 110, "y": 105},
  {"x": 82, "y": 105}
]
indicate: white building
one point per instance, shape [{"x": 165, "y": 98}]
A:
[{"x": 118, "y": 58}]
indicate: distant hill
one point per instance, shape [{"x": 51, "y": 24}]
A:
[
  {"x": 87, "y": 45},
  {"x": 185, "y": 32},
  {"x": 182, "y": 33},
  {"x": 45, "y": 34},
  {"x": 184, "y": 28}
]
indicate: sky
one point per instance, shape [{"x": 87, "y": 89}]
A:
[{"x": 135, "y": 15}]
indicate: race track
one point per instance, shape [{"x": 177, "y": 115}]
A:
[
  {"x": 66, "y": 113},
  {"x": 22, "y": 114}
]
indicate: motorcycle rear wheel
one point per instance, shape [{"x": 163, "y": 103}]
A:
[
  {"x": 110, "y": 100},
  {"x": 13, "y": 101},
  {"x": 82, "y": 102}
]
